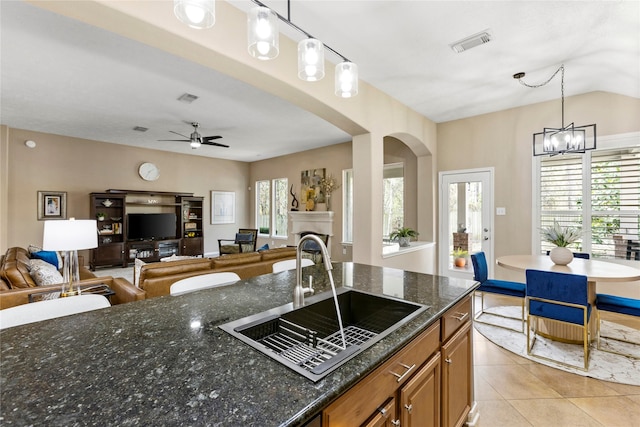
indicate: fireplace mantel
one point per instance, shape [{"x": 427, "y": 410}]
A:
[{"x": 320, "y": 222}]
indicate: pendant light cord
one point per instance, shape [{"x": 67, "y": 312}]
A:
[{"x": 545, "y": 83}]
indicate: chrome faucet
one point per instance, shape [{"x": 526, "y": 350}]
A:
[{"x": 299, "y": 291}]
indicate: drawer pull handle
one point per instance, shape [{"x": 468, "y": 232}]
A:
[
  {"x": 408, "y": 408},
  {"x": 448, "y": 360},
  {"x": 460, "y": 316},
  {"x": 408, "y": 369},
  {"x": 395, "y": 423},
  {"x": 383, "y": 412}
]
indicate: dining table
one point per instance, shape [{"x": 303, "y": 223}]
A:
[{"x": 595, "y": 270}]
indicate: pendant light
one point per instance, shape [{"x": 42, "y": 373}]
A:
[
  {"x": 346, "y": 79},
  {"x": 310, "y": 60},
  {"x": 262, "y": 33},
  {"x": 198, "y": 14}
]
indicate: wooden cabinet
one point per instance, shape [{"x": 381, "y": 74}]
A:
[
  {"x": 190, "y": 212},
  {"x": 109, "y": 212},
  {"x": 429, "y": 383}
]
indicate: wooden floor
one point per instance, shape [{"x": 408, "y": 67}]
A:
[{"x": 514, "y": 391}]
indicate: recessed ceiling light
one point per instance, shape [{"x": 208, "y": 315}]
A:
[
  {"x": 187, "y": 98},
  {"x": 472, "y": 41}
]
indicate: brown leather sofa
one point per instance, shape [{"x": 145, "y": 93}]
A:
[
  {"x": 16, "y": 283},
  {"x": 156, "y": 278}
]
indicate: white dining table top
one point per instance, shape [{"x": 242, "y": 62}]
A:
[{"x": 595, "y": 270}]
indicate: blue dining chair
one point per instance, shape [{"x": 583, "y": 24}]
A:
[
  {"x": 620, "y": 305},
  {"x": 559, "y": 297},
  {"x": 493, "y": 286}
]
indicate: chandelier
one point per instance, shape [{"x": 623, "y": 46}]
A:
[
  {"x": 566, "y": 139},
  {"x": 263, "y": 41}
]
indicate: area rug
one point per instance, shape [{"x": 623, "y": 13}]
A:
[
  {"x": 127, "y": 272},
  {"x": 602, "y": 365}
]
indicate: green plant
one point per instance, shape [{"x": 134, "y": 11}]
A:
[
  {"x": 264, "y": 230},
  {"x": 561, "y": 236},
  {"x": 459, "y": 253},
  {"x": 100, "y": 215},
  {"x": 403, "y": 232}
]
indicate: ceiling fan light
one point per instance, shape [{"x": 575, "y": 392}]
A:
[
  {"x": 262, "y": 33},
  {"x": 310, "y": 60},
  {"x": 198, "y": 14},
  {"x": 195, "y": 144},
  {"x": 346, "y": 79}
]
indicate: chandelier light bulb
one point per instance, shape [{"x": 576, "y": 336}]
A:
[
  {"x": 346, "y": 79},
  {"x": 310, "y": 60},
  {"x": 198, "y": 14},
  {"x": 262, "y": 33}
]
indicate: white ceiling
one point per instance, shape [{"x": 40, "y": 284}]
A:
[{"x": 64, "y": 77}]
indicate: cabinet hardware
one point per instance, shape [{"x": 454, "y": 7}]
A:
[
  {"x": 408, "y": 369},
  {"x": 460, "y": 316},
  {"x": 448, "y": 360},
  {"x": 408, "y": 408},
  {"x": 383, "y": 411},
  {"x": 395, "y": 423}
]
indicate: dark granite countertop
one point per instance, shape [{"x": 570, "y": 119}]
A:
[{"x": 165, "y": 362}]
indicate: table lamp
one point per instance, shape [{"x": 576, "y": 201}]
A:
[{"x": 69, "y": 236}]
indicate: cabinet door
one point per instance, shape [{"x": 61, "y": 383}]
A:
[
  {"x": 108, "y": 254},
  {"x": 457, "y": 377},
  {"x": 420, "y": 397},
  {"x": 385, "y": 416},
  {"x": 192, "y": 246}
]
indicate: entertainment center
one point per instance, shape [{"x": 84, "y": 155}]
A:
[{"x": 146, "y": 225}]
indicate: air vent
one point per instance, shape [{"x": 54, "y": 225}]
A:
[
  {"x": 140, "y": 129},
  {"x": 471, "y": 41},
  {"x": 187, "y": 98}
]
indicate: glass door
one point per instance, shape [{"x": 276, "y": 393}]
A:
[{"x": 466, "y": 221}]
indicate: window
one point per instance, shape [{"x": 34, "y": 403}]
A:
[
  {"x": 601, "y": 189},
  {"x": 263, "y": 206},
  {"x": 347, "y": 206},
  {"x": 280, "y": 205},
  {"x": 393, "y": 198}
]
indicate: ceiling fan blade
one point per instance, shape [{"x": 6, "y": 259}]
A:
[
  {"x": 184, "y": 136},
  {"x": 217, "y": 144},
  {"x": 176, "y": 140},
  {"x": 210, "y": 138}
]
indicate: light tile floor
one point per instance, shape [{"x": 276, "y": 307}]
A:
[{"x": 514, "y": 391}]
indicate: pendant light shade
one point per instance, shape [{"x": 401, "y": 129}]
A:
[
  {"x": 310, "y": 60},
  {"x": 198, "y": 14},
  {"x": 346, "y": 79},
  {"x": 262, "y": 33}
]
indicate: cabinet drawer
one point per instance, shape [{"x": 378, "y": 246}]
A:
[
  {"x": 455, "y": 317},
  {"x": 357, "y": 404}
]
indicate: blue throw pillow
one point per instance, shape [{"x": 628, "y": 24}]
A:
[
  {"x": 49, "y": 256},
  {"x": 263, "y": 247}
]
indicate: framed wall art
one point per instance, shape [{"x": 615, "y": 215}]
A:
[
  {"x": 223, "y": 207},
  {"x": 52, "y": 205}
]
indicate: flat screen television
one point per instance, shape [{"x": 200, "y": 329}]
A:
[{"x": 151, "y": 226}]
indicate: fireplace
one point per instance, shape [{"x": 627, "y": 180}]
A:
[{"x": 320, "y": 222}]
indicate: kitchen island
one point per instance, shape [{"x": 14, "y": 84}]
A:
[{"x": 165, "y": 361}]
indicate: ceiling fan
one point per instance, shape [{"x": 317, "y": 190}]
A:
[{"x": 196, "y": 139}]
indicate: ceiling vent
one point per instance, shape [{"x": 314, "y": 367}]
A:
[
  {"x": 140, "y": 129},
  {"x": 187, "y": 98},
  {"x": 471, "y": 41}
]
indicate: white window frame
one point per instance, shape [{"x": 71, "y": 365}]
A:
[
  {"x": 274, "y": 208},
  {"x": 258, "y": 205},
  {"x": 604, "y": 143},
  {"x": 347, "y": 206}
]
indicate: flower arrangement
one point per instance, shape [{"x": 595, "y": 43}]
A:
[
  {"x": 561, "y": 236},
  {"x": 329, "y": 185}
]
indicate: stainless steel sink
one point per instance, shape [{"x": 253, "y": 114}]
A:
[{"x": 308, "y": 339}]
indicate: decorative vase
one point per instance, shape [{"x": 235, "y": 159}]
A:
[
  {"x": 561, "y": 256},
  {"x": 404, "y": 241},
  {"x": 460, "y": 262},
  {"x": 327, "y": 199}
]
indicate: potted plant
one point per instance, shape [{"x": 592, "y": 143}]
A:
[
  {"x": 100, "y": 216},
  {"x": 561, "y": 237},
  {"x": 403, "y": 235},
  {"x": 459, "y": 257}
]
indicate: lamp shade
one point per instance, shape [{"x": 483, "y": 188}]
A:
[
  {"x": 346, "y": 79},
  {"x": 198, "y": 14},
  {"x": 310, "y": 60},
  {"x": 262, "y": 33},
  {"x": 70, "y": 235}
]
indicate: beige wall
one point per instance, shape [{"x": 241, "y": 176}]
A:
[
  {"x": 504, "y": 140},
  {"x": 80, "y": 167}
]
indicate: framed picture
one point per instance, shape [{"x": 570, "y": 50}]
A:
[
  {"x": 310, "y": 185},
  {"x": 223, "y": 207},
  {"x": 52, "y": 205}
]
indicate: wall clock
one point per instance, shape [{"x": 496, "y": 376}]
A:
[{"x": 149, "y": 172}]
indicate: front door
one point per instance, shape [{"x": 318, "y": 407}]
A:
[{"x": 466, "y": 220}]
